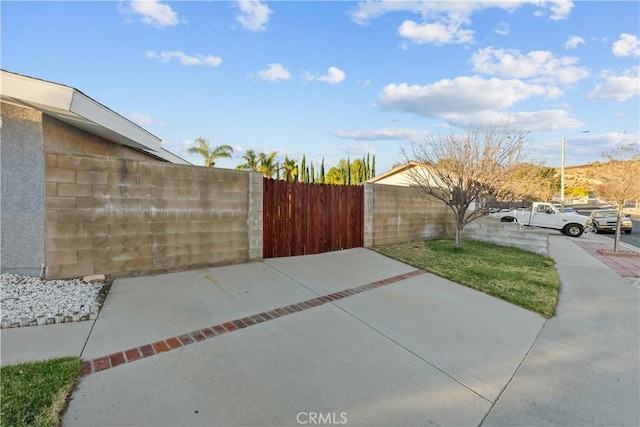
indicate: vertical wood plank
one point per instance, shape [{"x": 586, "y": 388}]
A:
[{"x": 301, "y": 219}]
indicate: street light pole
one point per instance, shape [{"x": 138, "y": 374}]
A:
[{"x": 564, "y": 141}]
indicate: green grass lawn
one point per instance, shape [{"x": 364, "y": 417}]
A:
[
  {"x": 514, "y": 275},
  {"x": 34, "y": 394}
]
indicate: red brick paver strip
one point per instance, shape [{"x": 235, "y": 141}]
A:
[
  {"x": 160, "y": 346},
  {"x": 230, "y": 327},
  {"x": 100, "y": 364},
  {"x": 174, "y": 343},
  {"x": 185, "y": 339},
  {"x": 86, "y": 368},
  {"x": 208, "y": 332},
  {"x": 116, "y": 359},
  {"x": 148, "y": 350},
  {"x": 198, "y": 336},
  {"x": 625, "y": 263},
  {"x": 133, "y": 354},
  {"x": 218, "y": 329}
]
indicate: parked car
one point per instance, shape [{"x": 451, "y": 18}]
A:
[
  {"x": 546, "y": 215},
  {"x": 605, "y": 220}
]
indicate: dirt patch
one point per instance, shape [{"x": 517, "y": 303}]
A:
[{"x": 627, "y": 254}]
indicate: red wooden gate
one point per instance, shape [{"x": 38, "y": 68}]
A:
[{"x": 302, "y": 219}]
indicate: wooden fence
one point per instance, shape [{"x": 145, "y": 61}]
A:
[{"x": 302, "y": 219}]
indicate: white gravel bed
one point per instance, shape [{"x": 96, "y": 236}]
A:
[{"x": 30, "y": 301}]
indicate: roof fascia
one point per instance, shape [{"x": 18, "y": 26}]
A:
[
  {"x": 91, "y": 110},
  {"x": 36, "y": 92},
  {"x": 74, "y": 107}
]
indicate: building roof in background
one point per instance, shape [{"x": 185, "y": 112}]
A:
[
  {"x": 71, "y": 106},
  {"x": 398, "y": 175}
]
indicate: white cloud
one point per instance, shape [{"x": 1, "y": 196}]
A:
[
  {"x": 437, "y": 33},
  {"x": 253, "y": 15},
  {"x": 618, "y": 87},
  {"x": 356, "y": 149},
  {"x": 542, "y": 120},
  {"x": 502, "y": 29},
  {"x": 560, "y": 9},
  {"x": 627, "y": 45},
  {"x": 462, "y": 95},
  {"x": 153, "y": 13},
  {"x": 366, "y": 11},
  {"x": 583, "y": 149},
  {"x": 184, "y": 59},
  {"x": 180, "y": 148},
  {"x": 274, "y": 72},
  {"x": 142, "y": 119},
  {"x": 334, "y": 76},
  {"x": 382, "y": 134},
  {"x": 573, "y": 42},
  {"x": 442, "y": 21},
  {"x": 540, "y": 65}
]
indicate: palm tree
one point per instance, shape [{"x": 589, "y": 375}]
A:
[
  {"x": 251, "y": 161},
  {"x": 210, "y": 156},
  {"x": 268, "y": 165},
  {"x": 290, "y": 169}
]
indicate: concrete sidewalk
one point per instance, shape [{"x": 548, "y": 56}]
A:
[
  {"x": 35, "y": 343},
  {"x": 353, "y": 336},
  {"x": 583, "y": 368}
]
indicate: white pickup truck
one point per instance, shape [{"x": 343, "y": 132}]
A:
[{"x": 546, "y": 215}]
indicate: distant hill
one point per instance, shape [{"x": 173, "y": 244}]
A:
[{"x": 587, "y": 176}]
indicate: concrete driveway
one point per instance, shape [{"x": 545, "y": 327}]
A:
[{"x": 347, "y": 337}]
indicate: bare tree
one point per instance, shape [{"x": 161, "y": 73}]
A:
[
  {"x": 620, "y": 180},
  {"x": 471, "y": 173},
  {"x": 537, "y": 182}
]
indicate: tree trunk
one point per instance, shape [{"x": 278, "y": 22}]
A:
[
  {"x": 616, "y": 240},
  {"x": 459, "y": 228}
]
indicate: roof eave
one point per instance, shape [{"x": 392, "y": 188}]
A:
[{"x": 71, "y": 106}]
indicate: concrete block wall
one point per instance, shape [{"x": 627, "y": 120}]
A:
[
  {"x": 127, "y": 217},
  {"x": 512, "y": 234},
  {"x": 22, "y": 214},
  {"x": 396, "y": 214},
  {"x": 254, "y": 216},
  {"x": 62, "y": 138}
]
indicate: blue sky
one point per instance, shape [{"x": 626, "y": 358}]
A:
[{"x": 338, "y": 78}]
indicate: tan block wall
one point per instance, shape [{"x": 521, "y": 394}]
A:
[
  {"x": 395, "y": 214},
  {"x": 255, "y": 219},
  {"x": 491, "y": 230},
  {"x": 128, "y": 217},
  {"x": 62, "y": 138}
]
